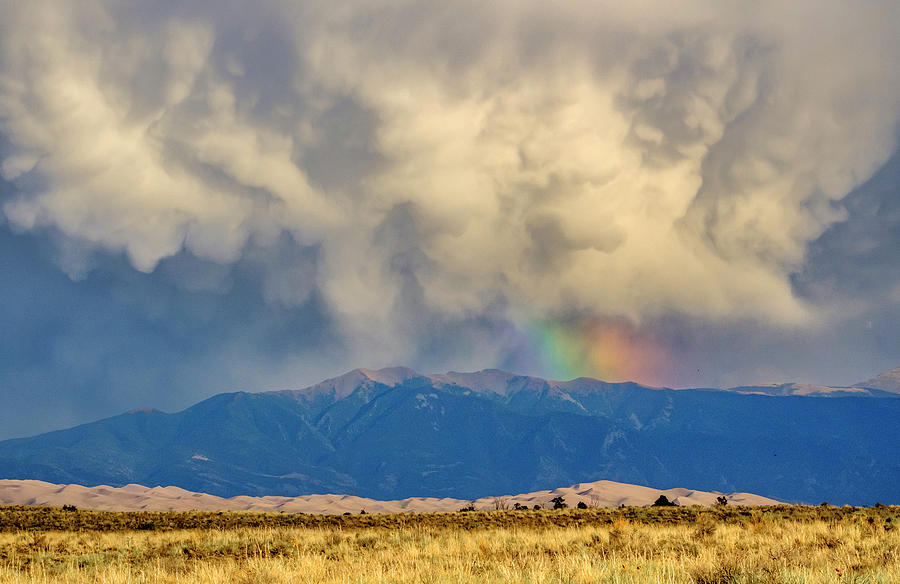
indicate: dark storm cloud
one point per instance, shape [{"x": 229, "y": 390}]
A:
[
  {"x": 119, "y": 339},
  {"x": 860, "y": 256}
]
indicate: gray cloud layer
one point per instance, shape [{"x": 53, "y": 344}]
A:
[{"x": 404, "y": 168}]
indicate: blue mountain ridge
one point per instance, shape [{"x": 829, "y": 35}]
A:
[{"x": 394, "y": 433}]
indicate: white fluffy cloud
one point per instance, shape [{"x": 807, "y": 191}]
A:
[{"x": 582, "y": 156}]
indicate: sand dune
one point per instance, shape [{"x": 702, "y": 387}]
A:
[{"x": 140, "y": 498}]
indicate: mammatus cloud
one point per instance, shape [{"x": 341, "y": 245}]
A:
[{"x": 442, "y": 162}]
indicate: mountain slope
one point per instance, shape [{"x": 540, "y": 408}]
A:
[
  {"x": 809, "y": 390},
  {"x": 887, "y": 381},
  {"x": 394, "y": 433}
]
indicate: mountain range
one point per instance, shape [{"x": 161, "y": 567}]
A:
[{"x": 394, "y": 433}]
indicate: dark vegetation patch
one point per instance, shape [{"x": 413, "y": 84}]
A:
[{"x": 33, "y": 518}]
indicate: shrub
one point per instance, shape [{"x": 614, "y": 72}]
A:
[
  {"x": 581, "y": 505},
  {"x": 559, "y": 502},
  {"x": 663, "y": 501},
  {"x": 705, "y": 526}
]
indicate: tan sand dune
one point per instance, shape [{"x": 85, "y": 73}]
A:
[{"x": 140, "y": 498}]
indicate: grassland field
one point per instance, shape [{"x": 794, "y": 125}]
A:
[{"x": 678, "y": 545}]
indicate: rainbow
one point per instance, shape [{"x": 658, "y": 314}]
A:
[{"x": 600, "y": 348}]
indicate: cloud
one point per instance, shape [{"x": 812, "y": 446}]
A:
[{"x": 450, "y": 163}]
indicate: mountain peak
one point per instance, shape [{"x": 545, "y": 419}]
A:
[
  {"x": 345, "y": 384},
  {"x": 887, "y": 381},
  {"x": 484, "y": 381},
  {"x": 388, "y": 375}
]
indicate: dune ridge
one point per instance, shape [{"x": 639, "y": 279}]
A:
[{"x": 140, "y": 498}]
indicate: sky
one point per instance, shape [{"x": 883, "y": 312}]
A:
[{"x": 218, "y": 196}]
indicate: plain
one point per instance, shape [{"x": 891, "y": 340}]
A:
[{"x": 687, "y": 545}]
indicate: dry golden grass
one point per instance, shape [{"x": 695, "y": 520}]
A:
[{"x": 658, "y": 546}]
